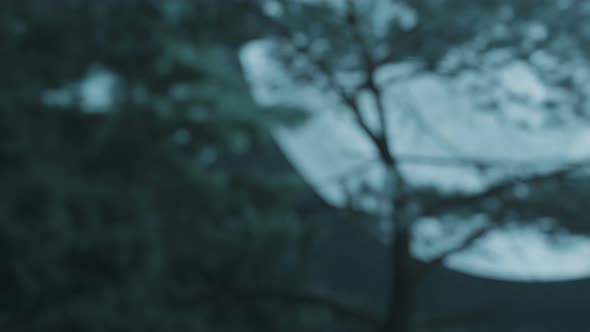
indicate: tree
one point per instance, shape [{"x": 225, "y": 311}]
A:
[
  {"x": 134, "y": 197},
  {"x": 342, "y": 48}
]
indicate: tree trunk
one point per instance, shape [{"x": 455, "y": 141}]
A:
[{"x": 400, "y": 313}]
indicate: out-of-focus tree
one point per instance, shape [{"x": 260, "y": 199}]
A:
[{"x": 137, "y": 193}]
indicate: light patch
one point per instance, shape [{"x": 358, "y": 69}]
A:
[
  {"x": 94, "y": 93},
  {"x": 97, "y": 91},
  {"x": 272, "y": 8},
  {"x": 430, "y": 116},
  {"x": 519, "y": 79},
  {"x": 526, "y": 253}
]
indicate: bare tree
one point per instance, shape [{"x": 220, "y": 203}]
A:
[{"x": 329, "y": 41}]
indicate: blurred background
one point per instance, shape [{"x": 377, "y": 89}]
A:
[{"x": 249, "y": 165}]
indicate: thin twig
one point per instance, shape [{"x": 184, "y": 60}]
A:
[
  {"x": 365, "y": 164},
  {"x": 454, "y": 201}
]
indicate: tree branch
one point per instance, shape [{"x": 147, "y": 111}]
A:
[
  {"x": 424, "y": 269},
  {"x": 370, "y": 67},
  {"x": 498, "y": 189},
  {"x": 450, "y": 202},
  {"x": 348, "y": 99},
  {"x": 365, "y": 164}
]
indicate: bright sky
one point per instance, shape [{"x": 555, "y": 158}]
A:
[{"x": 331, "y": 144}]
